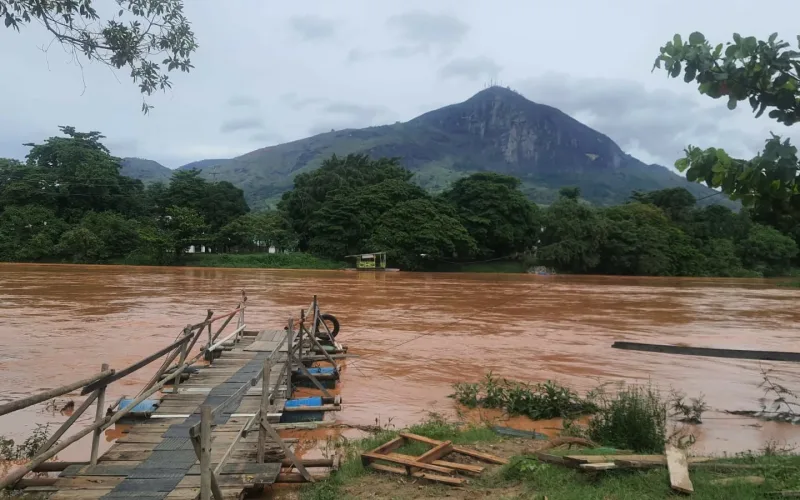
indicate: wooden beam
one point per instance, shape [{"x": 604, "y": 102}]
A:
[
  {"x": 293, "y": 477},
  {"x": 656, "y": 459},
  {"x": 553, "y": 459},
  {"x": 287, "y": 451},
  {"x": 310, "y": 462},
  {"x": 214, "y": 484},
  {"x": 678, "y": 469},
  {"x": 266, "y": 373},
  {"x": 52, "y": 393},
  {"x": 66, "y": 425},
  {"x": 205, "y": 453},
  {"x": 233, "y": 444},
  {"x": 56, "y": 466},
  {"x": 712, "y": 465},
  {"x": 436, "y": 452},
  {"x": 453, "y": 481},
  {"x": 16, "y": 474},
  {"x": 389, "y": 446},
  {"x": 599, "y": 466},
  {"x": 406, "y": 461},
  {"x": 218, "y": 344},
  {"x": 471, "y": 469},
  {"x": 738, "y": 479},
  {"x": 136, "y": 366},
  {"x": 99, "y": 416},
  {"x": 308, "y": 374},
  {"x": 219, "y": 331},
  {"x": 710, "y": 352},
  {"x": 486, "y": 457},
  {"x": 165, "y": 364},
  {"x": 292, "y": 409}
]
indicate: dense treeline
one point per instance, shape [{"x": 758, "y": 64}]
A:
[
  {"x": 70, "y": 203},
  {"x": 353, "y": 204}
]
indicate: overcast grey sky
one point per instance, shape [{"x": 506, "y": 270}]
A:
[{"x": 269, "y": 72}]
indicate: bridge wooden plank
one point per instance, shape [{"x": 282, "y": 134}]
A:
[{"x": 133, "y": 465}]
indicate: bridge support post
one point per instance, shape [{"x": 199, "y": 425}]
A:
[
  {"x": 265, "y": 403},
  {"x": 99, "y": 415}
]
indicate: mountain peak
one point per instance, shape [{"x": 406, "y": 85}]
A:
[
  {"x": 498, "y": 92},
  {"x": 495, "y": 130}
]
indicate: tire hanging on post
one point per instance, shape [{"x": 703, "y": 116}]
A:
[{"x": 332, "y": 319}]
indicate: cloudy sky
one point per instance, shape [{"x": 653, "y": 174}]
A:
[{"x": 269, "y": 72}]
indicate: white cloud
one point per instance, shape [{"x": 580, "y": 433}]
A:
[{"x": 253, "y": 54}]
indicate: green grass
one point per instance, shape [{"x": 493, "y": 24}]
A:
[
  {"x": 242, "y": 260},
  {"x": 263, "y": 260},
  {"x": 556, "y": 482},
  {"x": 635, "y": 418},
  {"x": 527, "y": 478},
  {"x": 352, "y": 469}
]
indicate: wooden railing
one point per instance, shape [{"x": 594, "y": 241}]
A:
[
  {"x": 95, "y": 387},
  {"x": 201, "y": 432}
]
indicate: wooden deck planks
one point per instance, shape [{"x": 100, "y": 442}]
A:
[{"x": 148, "y": 439}]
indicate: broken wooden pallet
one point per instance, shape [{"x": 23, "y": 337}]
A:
[{"x": 430, "y": 465}]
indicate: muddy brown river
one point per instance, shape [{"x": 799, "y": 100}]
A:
[{"x": 416, "y": 335}]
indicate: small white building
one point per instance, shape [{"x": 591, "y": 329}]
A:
[{"x": 198, "y": 249}]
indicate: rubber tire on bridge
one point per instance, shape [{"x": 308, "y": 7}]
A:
[{"x": 332, "y": 319}]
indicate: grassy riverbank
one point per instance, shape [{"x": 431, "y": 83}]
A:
[
  {"x": 527, "y": 478},
  {"x": 243, "y": 260}
]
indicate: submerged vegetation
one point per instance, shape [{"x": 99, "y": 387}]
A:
[
  {"x": 536, "y": 401},
  {"x": 12, "y": 451},
  {"x": 634, "y": 418}
]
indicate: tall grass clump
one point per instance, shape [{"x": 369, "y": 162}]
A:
[{"x": 635, "y": 418}]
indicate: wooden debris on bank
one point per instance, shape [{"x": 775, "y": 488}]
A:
[
  {"x": 678, "y": 468},
  {"x": 738, "y": 479},
  {"x": 431, "y": 464}
]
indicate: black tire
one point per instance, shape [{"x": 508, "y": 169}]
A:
[{"x": 332, "y": 319}]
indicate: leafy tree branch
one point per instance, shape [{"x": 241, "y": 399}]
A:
[
  {"x": 141, "y": 32},
  {"x": 766, "y": 74}
]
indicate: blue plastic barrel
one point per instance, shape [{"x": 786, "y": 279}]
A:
[
  {"x": 322, "y": 370},
  {"x": 143, "y": 409},
  {"x": 303, "y": 416},
  {"x": 310, "y": 401}
]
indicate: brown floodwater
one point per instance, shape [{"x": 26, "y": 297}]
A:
[{"x": 416, "y": 335}]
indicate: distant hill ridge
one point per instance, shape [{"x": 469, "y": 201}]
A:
[{"x": 496, "y": 130}]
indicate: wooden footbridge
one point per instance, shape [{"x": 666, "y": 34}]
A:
[{"x": 206, "y": 425}]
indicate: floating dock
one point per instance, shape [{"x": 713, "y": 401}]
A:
[{"x": 207, "y": 432}]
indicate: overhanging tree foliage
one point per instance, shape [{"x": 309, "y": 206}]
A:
[
  {"x": 136, "y": 35},
  {"x": 767, "y": 75}
]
